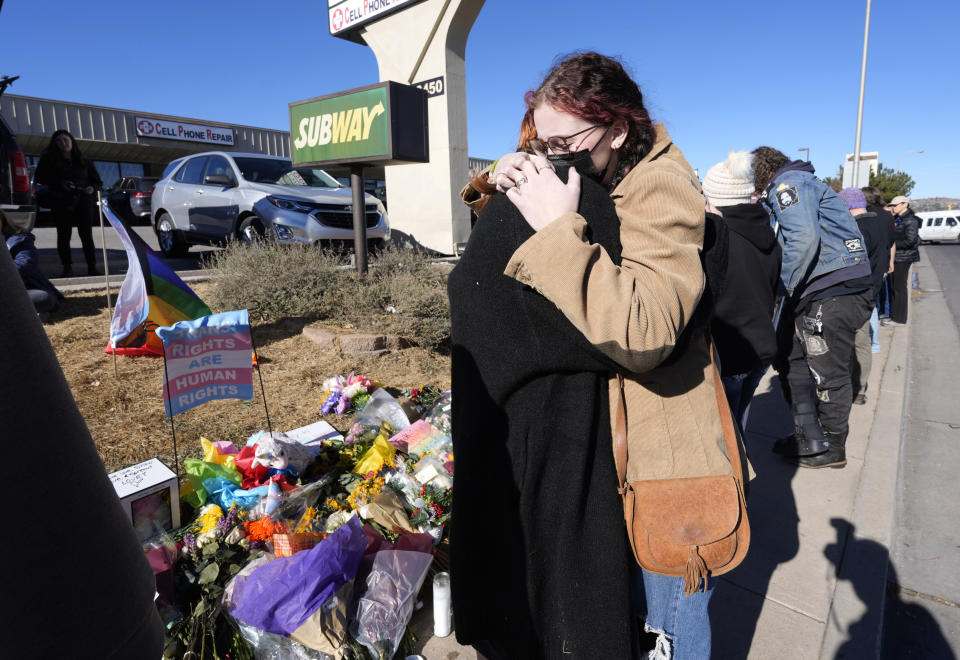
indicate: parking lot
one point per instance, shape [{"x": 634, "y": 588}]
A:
[{"x": 46, "y": 243}]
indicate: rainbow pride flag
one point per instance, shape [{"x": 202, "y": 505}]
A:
[{"x": 151, "y": 295}]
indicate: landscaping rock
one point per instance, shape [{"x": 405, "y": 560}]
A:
[
  {"x": 321, "y": 337},
  {"x": 369, "y": 354},
  {"x": 357, "y": 343}
]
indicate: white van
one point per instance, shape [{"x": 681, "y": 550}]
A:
[{"x": 936, "y": 226}]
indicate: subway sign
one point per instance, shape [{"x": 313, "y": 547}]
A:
[
  {"x": 382, "y": 124},
  {"x": 176, "y": 130}
]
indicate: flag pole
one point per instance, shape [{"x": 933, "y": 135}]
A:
[
  {"x": 166, "y": 405},
  {"x": 263, "y": 392},
  {"x": 106, "y": 278}
]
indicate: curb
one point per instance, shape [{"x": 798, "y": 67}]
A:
[
  {"x": 96, "y": 282},
  {"x": 860, "y": 590}
]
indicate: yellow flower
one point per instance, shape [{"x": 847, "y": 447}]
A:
[
  {"x": 307, "y": 521},
  {"x": 364, "y": 492},
  {"x": 208, "y": 519}
]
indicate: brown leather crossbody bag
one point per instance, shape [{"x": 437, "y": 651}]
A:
[{"x": 693, "y": 527}]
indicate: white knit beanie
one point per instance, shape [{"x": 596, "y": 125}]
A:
[{"x": 730, "y": 182}]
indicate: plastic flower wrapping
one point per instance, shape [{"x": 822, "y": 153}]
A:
[{"x": 322, "y": 561}]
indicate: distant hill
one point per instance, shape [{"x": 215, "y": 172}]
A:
[{"x": 934, "y": 204}]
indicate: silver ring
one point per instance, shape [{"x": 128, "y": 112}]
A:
[
  {"x": 547, "y": 166},
  {"x": 522, "y": 180}
]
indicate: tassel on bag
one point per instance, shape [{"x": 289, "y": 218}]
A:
[{"x": 696, "y": 571}]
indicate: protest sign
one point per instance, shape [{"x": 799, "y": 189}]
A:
[{"x": 206, "y": 359}]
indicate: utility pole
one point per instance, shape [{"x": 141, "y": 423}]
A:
[
  {"x": 909, "y": 151},
  {"x": 863, "y": 80}
]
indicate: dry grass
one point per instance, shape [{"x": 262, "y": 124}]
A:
[{"x": 125, "y": 414}]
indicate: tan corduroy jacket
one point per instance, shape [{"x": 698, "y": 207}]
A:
[{"x": 635, "y": 312}]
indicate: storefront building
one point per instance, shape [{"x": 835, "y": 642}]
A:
[
  {"x": 129, "y": 143},
  {"x": 123, "y": 143}
]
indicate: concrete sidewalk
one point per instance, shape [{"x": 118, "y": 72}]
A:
[{"x": 813, "y": 584}]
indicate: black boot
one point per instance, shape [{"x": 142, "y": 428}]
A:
[
  {"x": 806, "y": 441},
  {"x": 92, "y": 269},
  {"x": 835, "y": 456},
  {"x": 67, "y": 271}
]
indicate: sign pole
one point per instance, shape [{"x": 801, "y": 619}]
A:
[
  {"x": 173, "y": 432},
  {"x": 263, "y": 392},
  {"x": 359, "y": 221},
  {"x": 106, "y": 278}
]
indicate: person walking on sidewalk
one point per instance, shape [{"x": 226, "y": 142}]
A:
[
  {"x": 70, "y": 182},
  {"x": 825, "y": 272},
  {"x": 876, "y": 239},
  {"x": 875, "y": 205},
  {"x": 744, "y": 284},
  {"x": 908, "y": 253}
]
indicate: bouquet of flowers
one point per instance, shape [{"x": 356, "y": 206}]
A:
[
  {"x": 343, "y": 395},
  {"x": 212, "y": 550},
  {"x": 423, "y": 398},
  {"x": 432, "y": 507}
]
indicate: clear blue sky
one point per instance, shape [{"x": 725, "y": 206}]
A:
[{"x": 720, "y": 75}]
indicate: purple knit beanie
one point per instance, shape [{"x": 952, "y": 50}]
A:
[{"x": 854, "y": 198}]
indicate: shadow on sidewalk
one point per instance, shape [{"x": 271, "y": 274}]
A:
[
  {"x": 738, "y": 600},
  {"x": 910, "y": 631}
]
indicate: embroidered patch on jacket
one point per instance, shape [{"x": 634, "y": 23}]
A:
[
  {"x": 787, "y": 197},
  {"x": 854, "y": 245}
]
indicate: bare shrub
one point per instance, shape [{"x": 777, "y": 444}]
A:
[{"x": 403, "y": 293}]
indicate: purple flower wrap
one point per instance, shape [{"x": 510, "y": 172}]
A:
[{"x": 280, "y": 595}]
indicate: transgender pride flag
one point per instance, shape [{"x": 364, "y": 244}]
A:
[{"x": 206, "y": 359}]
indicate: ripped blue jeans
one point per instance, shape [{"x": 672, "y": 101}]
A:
[{"x": 681, "y": 623}]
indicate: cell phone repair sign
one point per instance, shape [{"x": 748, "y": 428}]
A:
[
  {"x": 175, "y": 130},
  {"x": 348, "y": 15}
]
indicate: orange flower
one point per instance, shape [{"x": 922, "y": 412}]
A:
[{"x": 263, "y": 529}]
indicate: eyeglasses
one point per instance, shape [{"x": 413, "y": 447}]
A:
[{"x": 561, "y": 145}]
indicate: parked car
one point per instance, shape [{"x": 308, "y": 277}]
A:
[
  {"x": 936, "y": 226},
  {"x": 213, "y": 197},
  {"x": 130, "y": 196},
  {"x": 16, "y": 195}
]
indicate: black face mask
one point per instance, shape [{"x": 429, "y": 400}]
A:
[{"x": 578, "y": 160}]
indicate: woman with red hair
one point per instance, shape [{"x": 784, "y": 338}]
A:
[{"x": 635, "y": 306}]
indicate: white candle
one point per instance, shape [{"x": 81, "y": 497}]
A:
[{"x": 441, "y": 604}]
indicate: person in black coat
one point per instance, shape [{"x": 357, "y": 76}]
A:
[
  {"x": 875, "y": 205},
  {"x": 743, "y": 272},
  {"x": 69, "y": 185},
  {"x": 82, "y": 572},
  {"x": 908, "y": 252},
  {"x": 539, "y": 558},
  {"x": 876, "y": 237}
]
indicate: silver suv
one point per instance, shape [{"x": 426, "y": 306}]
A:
[{"x": 212, "y": 197}]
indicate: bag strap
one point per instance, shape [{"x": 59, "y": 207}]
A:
[
  {"x": 730, "y": 435},
  {"x": 620, "y": 440}
]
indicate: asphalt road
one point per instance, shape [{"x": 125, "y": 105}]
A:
[
  {"x": 922, "y": 614},
  {"x": 46, "y": 242}
]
